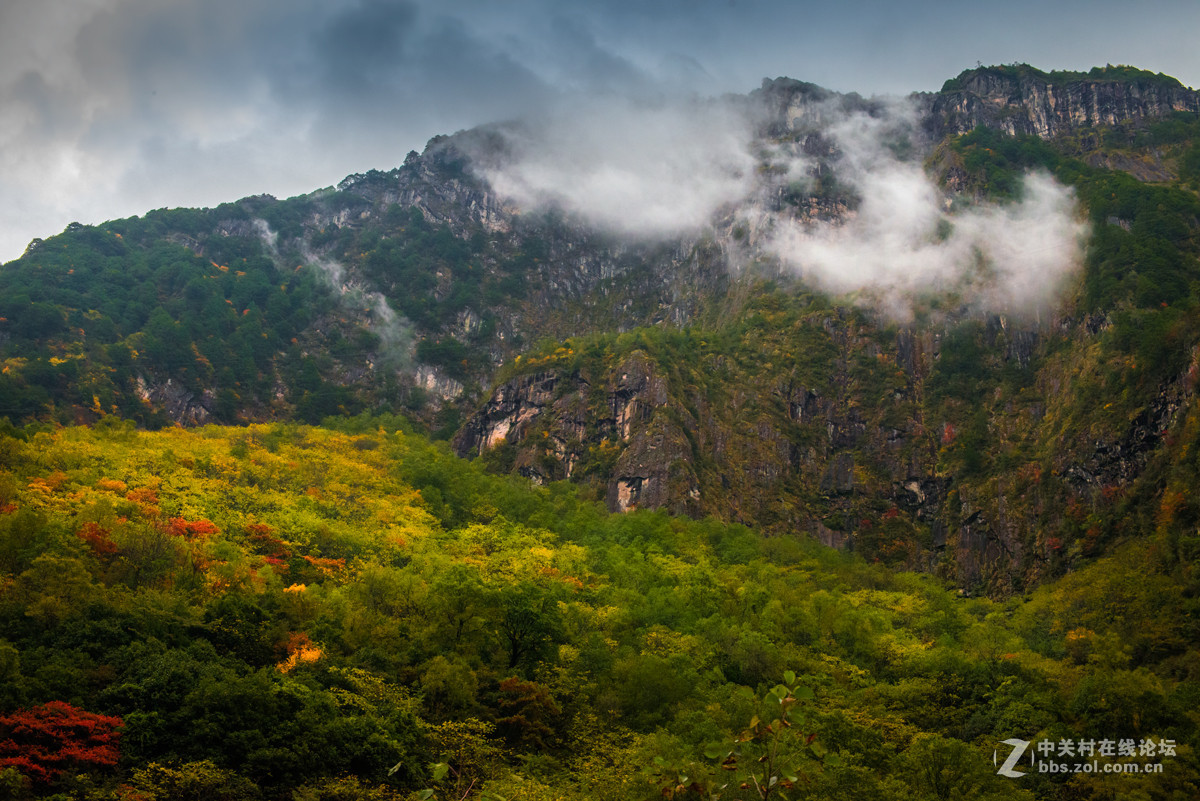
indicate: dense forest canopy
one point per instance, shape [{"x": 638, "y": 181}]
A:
[{"x": 285, "y": 611}]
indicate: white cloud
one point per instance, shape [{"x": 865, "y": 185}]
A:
[
  {"x": 631, "y": 168},
  {"x": 900, "y": 241},
  {"x": 669, "y": 169}
]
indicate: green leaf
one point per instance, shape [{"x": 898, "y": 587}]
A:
[
  {"x": 716, "y": 750},
  {"x": 789, "y": 677},
  {"x": 425, "y": 794},
  {"x": 833, "y": 760},
  {"x": 440, "y": 769},
  {"x": 803, "y": 693}
]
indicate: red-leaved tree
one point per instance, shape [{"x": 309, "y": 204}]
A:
[{"x": 47, "y": 740}]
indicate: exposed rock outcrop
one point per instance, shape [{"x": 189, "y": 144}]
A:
[
  {"x": 1022, "y": 100},
  {"x": 182, "y": 405}
]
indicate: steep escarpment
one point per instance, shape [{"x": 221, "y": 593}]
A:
[
  {"x": 1019, "y": 99},
  {"x": 974, "y": 449},
  {"x": 797, "y": 418}
]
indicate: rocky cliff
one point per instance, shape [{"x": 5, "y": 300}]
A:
[{"x": 1022, "y": 100}]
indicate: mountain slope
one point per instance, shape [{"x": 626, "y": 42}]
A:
[
  {"x": 991, "y": 436},
  {"x": 282, "y": 611}
]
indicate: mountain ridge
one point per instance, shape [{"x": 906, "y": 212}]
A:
[{"x": 663, "y": 379}]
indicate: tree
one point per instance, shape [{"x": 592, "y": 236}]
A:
[
  {"x": 768, "y": 759},
  {"x": 945, "y": 768},
  {"x": 55, "y": 589},
  {"x": 530, "y": 622},
  {"x": 48, "y": 740},
  {"x": 530, "y": 715}
]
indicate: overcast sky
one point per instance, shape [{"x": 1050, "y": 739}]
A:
[{"x": 110, "y": 108}]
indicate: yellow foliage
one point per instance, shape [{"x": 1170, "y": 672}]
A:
[{"x": 300, "y": 651}]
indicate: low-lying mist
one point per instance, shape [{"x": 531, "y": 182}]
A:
[
  {"x": 396, "y": 340},
  {"x": 673, "y": 168}
]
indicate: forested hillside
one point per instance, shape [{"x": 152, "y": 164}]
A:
[
  {"x": 292, "y": 612},
  {"x": 416, "y": 487}
]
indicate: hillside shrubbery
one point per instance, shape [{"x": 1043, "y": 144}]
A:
[{"x": 281, "y": 611}]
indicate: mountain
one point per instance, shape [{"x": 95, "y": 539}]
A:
[
  {"x": 997, "y": 421},
  {"x": 742, "y": 330}
]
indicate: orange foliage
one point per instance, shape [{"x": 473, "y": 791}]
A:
[
  {"x": 49, "y": 740},
  {"x": 50, "y": 483},
  {"x": 1172, "y": 501},
  {"x": 191, "y": 529},
  {"x": 96, "y": 536},
  {"x": 301, "y": 650},
  {"x": 269, "y": 546},
  {"x": 143, "y": 495},
  {"x": 328, "y": 567},
  {"x": 112, "y": 485},
  {"x": 1076, "y": 511},
  {"x": 949, "y": 432}
]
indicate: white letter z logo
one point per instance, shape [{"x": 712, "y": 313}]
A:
[{"x": 1006, "y": 769}]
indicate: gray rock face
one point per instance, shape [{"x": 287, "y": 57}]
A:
[
  {"x": 561, "y": 421},
  {"x": 181, "y": 405},
  {"x": 1023, "y": 103},
  {"x": 506, "y": 415}
]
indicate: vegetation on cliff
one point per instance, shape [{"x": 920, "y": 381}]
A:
[{"x": 1121, "y": 73}]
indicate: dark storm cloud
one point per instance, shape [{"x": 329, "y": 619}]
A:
[
  {"x": 362, "y": 43},
  {"x": 125, "y": 105},
  {"x": 113, "y": 107}
]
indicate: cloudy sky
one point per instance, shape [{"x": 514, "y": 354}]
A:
[{"x": 113, "y": 107}]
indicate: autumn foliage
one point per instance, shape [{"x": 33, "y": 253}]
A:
[
  {"x": 97, "y": 537},
  {"x": 47, "y": 740},
  {"x": 263, "y": 643},
  {"x": 191, "y": 529}
]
